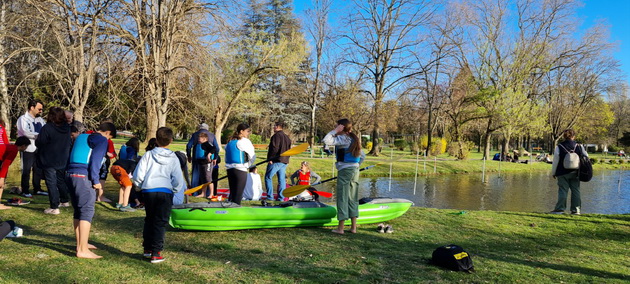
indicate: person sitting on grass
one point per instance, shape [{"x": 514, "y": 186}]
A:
[
  {"x": 8, "y": 153},
  {"x": 159, "y": 175},
  {"x": 304, "y": 176},
  {"x": 86, "y": 158},
  {"x": 253, "y": 186}
]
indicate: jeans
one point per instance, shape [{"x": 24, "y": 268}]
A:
[
  {"x": 28, "y": 163},
  {"x": 57, "y": 188},
  {"x": 158, "y": 209},
  {"x": 272, "y": 170},
  {"x": 566, "y": 182}
]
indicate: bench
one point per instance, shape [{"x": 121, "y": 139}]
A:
[{"x": 260, "y": 146}]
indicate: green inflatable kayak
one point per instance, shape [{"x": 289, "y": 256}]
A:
[{"x": 225, "y": 216}]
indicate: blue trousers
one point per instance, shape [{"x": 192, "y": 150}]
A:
[{"x": 273, "y": 169}]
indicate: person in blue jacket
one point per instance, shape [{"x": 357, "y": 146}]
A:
[
  {"x": 86, "y": 158},
  {"x": 194, "y": 152}
]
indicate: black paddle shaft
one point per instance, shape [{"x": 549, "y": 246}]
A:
[{"x": 334, "y": 178}]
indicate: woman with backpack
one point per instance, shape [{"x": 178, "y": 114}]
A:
[{"x": 566, "y": 164}]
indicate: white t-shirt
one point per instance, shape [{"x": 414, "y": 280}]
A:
[{"x": 253, "y": 187}]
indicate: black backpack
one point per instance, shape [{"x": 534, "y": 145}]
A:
[
  {"x": 453, "y": 257},
  {"x": 585, "y": 173}
]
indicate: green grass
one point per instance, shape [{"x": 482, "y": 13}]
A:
[{"x": 507, "y": 247}]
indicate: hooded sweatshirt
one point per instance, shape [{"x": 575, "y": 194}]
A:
[
  {"x": 159, "y": 171},
  {"x": 54, "y": 144},
  {"x": 29, "y": 126}
]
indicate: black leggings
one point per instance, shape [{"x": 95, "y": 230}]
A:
[{"x": 237, "y": 180}]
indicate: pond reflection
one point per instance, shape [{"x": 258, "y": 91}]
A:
[{"x": 607, "y": 193}]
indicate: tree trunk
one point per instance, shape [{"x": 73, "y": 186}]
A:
[
  {"x": 312, "y": 128},
  {"x": 376, "y": 131},
  {"x": 486, "y": 146},
  {"x": 4, "y": 89}
]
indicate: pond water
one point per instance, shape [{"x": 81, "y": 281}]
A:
[{"x": 607, "y": 193}]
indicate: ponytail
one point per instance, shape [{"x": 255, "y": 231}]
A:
[{"x": 355, "y": 147}]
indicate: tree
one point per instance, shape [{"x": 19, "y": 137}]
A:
[
  {"x": 381, "y": 34},
  {"x": 620, "y": 105},
  {"x": 318, "y": 29}
]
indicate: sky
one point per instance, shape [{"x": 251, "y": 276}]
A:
[{"x": 616, "y": 13}]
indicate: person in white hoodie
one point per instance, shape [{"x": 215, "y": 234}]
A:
[
  {"x": 253, "y": 186},
  {"x": 29, "y": 125},
  {"x": 159, "y": 176},
  {"x": 239, "y": 156}
]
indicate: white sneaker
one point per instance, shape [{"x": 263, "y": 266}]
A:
[
  {"x": 65, "y": 204},
  {"x": 52, "y": 211},
  {"x": 16, "y": 233},
  {"x": 42, "y": 193}
]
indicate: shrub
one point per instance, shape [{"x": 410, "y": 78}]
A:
[
  {"x": 256, "y": 139},
  {"x": 463, "y": 153},
  {"x": 414, "y": 148},
  {"x": 621, "y": 161},
  {"x": 438, "y": 147},
  {"x": 612, "y": 149},
  {"x": 400, "y": 144},
  {"x": 424, "y": 142},
  {"x": 594, "y": 160},
  {"x": 612, "y": 161},
  {"x": 368, "y": 146}
]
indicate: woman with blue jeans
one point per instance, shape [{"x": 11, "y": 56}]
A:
[{"x": 349, "y": 157}]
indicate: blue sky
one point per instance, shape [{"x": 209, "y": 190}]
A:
[{"x": 615, "y": 12}]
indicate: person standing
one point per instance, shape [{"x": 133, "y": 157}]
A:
[
  {"x": 54, "y": 143},
  {"x": 29, "y": 125},
  {"x": 567, "y": 178},
  {"x": 205, "y": 156},
  {"x": 86, "y": 159},
  {"x": 349, "y": 156},
  {"x": 8, "y": 153},
  {"x": 159, "y": 175},
  {"x": 277, "y": 165},
  {"x": 239, "y": 156},
  {"x": 194, "y": 152}
]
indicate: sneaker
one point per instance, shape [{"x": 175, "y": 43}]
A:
[
  {"x": 380, "y": 228},
  {"x": 118, "y": 205},
  {"x": 557, "y": 212},
  {"x": 27, "y": 195},
  {"x": 126, "y": 209},
  {"x": 15, "y": 190},
  {"x": 575, "y": 212},
  {"x": 139, "y": 207},
  {"x": 157, "y": 257},
  {"x": 17, "y": 201},
  {"x": 389, "y": 229},
  {"x": 147, "y": 254},
  {"x": 64, "y": 204},
  {"x": 42, "y": 193},
  {"x": 52, "y": 211},
  {"x": 16, "y": 233}
]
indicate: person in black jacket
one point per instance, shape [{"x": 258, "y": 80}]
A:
[
  {"x": 567, "y": 178},
  {"x": 54, "y": 144},
  {"x": 279, "y": 144}
]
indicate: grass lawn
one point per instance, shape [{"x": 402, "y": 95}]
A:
[{"x": 507, "y": 247}]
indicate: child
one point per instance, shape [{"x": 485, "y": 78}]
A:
[
  {"x": 86, "y": 157},
  {"x": 159, "y": 176},
  {"x": 206, "y": 161},
  {"x": 130, "y": 150},
  {"x": 121, "y": 171},
  {"x": 253, "y": 186},
  {"x": 304, "y": 176},
  {"x": 7, "y": 155}
]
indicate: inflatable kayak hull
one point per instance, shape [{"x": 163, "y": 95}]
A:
[{"x": 220, "y": 216}]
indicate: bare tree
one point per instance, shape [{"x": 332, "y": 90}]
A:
[
  {"x": 319, "y": 30},
  {"x": 381, "y": 32}
]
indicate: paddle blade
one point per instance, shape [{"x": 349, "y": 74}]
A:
[
  {"x": 295, "y": 150},
  {"x": 193, "y": 190},
  {"x": 295, "y": 190},
  {"x": 324, "y": 194}
]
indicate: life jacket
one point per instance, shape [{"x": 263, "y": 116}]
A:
[
  {"x": 81, "y": 150},
  {"x": 345, "y": 155},
  {"x": 233, "y": 155},
  {"x": 122, "y": 154},
  {"x": 304, "y": 179},
  {"x": 200, "y": 154}
]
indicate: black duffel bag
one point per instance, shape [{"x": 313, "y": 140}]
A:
[{"x": 453, "y": 257}]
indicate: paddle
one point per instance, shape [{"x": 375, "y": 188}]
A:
[
  {"x": 293, "y": 151},
  {"x": 297, "y": 189}
]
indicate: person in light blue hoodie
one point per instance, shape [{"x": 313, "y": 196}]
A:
[{"x": 160, "y": 177}]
